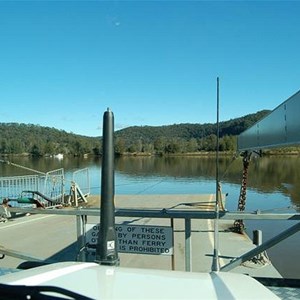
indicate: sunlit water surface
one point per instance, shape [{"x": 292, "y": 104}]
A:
[{"x": 273, "y": 185}]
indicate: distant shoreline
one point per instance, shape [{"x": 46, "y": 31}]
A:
[
  {"x": 212, "y": 153},
  {"x": 279, "y": 152}
]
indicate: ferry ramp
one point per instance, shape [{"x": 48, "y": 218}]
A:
[{"x": 53, "y": 236}]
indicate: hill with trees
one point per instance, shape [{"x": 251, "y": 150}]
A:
[
  {"x": 36, "y": 140},
  {"x": 183, "y": 138}
]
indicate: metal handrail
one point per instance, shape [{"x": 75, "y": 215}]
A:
[
  {"x": 164, "y": 213},
  {"x": 82, "y": 213}
]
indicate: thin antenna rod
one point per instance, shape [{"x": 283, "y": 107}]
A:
[{"x": 216, "y": 264}]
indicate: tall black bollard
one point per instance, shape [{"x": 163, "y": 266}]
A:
[{"x": 106, "y": 251}]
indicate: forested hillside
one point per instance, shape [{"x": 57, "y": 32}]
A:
[
  {"x": 178, "y": 138},
  {"x": 38, "y": 141},
  {"x": 182, "y": 138}
]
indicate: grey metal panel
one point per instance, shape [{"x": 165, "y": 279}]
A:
[{"x": 278, "y": 129}]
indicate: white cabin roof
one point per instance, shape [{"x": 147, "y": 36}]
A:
[{"x": 105, "y": 282}]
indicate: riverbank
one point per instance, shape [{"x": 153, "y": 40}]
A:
[{"x": 278, "y": 152}]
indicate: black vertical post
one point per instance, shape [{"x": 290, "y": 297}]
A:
[
  {"x": 106, "y": 251},
  {"x": 215, "y": 262}
]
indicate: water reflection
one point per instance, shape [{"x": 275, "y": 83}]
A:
[
  {"x": 273, "y": 183},
  {"x": 266, "y": 174},
  {"x": 278, "y": 174},
  {"x": 44, "y": 164}
]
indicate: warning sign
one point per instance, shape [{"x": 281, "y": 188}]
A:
[{"x": 142, "y": 239}]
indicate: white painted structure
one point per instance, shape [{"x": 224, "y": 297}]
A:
[{"x": 105, "y": 282}]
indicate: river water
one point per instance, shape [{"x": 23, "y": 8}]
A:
[{"x": 273, "y": 185}]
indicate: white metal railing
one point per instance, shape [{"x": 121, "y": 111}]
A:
[
  {"x": 12, "y": 187},
  {"x": 54, "y": 185},
  {"x": 50, "y": 185},
  {"x": 82, "y": 179}
]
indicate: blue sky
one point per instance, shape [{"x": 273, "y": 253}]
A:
[{"x": 62, "y": 63}]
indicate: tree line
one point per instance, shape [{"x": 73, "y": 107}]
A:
[
  {"x": 35, "y": 140},
  {"x": 183, "y": 138},
  {"x": 164, "y": 145}
]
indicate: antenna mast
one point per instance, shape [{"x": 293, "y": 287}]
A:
[
  {"x": 106, "y": 250},
  {"x": 216, "y": 264}
]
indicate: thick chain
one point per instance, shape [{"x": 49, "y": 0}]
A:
[{"x": 239, "y": 225}]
